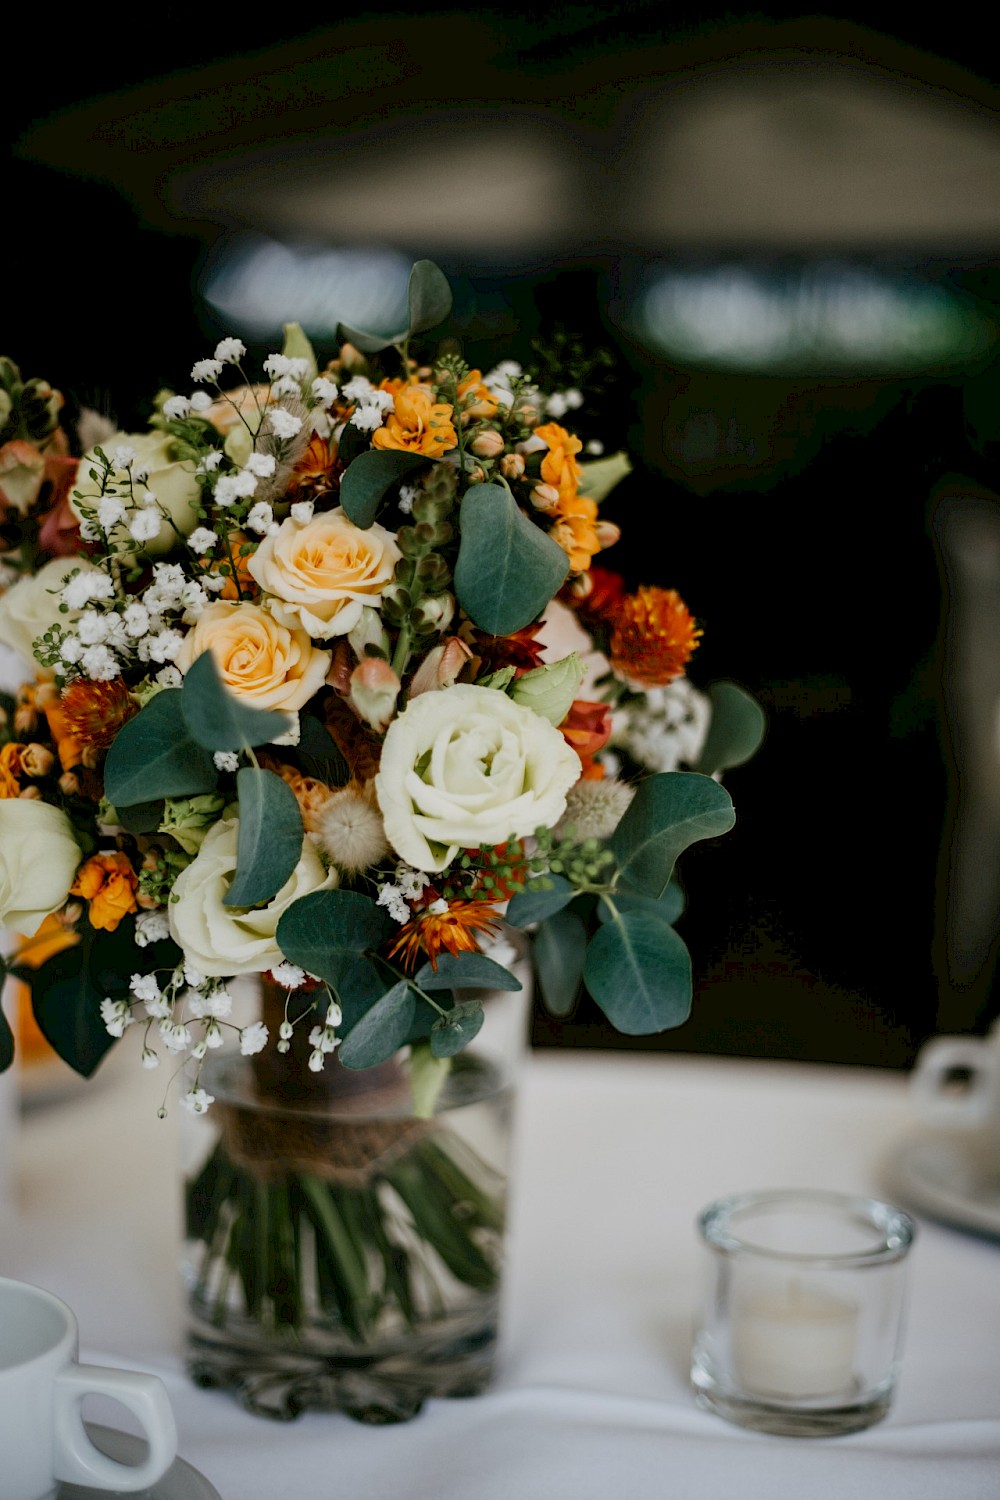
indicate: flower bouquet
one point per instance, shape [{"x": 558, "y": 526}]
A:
[{"x": 334, "y": 735}]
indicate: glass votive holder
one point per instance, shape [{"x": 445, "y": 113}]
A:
[{"x": 801, "y": 1325}]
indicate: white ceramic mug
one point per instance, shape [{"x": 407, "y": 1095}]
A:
[
  {"x": 975, "y": 1107},
  {"x": 43, "y": 1440}
]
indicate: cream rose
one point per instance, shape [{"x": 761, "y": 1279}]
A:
[
  {"x": 465, "y": 767},
  {"x": 31, "y": 605},
  {"x": 38, "y": 862},
  {"x": 171, "y": 480},
  {"x": 258, "y": 658},
  {"x": 320, "y": 576},
  {"x": 220, "y": 939}
]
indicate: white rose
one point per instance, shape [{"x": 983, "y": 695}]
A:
[
  {"x": 171, "y": 480},
  {"x": 320, "y": 576},
  {"x": 31, "y": 605},
  {"x": 490, "y": 770},
  {"x": 220, "y": 939},
  {"x": 38, "y": 862}
]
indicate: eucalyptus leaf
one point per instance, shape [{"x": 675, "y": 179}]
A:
[
  {"x": 370, "y": 343},
  {"x": 639, "y": 972},
  {"x": 154, "y": 756},
  {"x": 454, "y": 1031},
  {"x": 269, "y": 842},
  {"x": 508, "y": 569},
  {"x": 317, "y": 753},
  {"x": 469, "y": 971},
  {"x": 321, "y": 932},
  {"x": 736, "y": 729},
  {"x": 667, "y": 907},
  {"x": 217, "y": 719},
  {"x": 536, "y": 902},
  {"x": 669, "y": 811},
  {"x": 560, "y": 948},
  {"x": 428, "y": 296},
  {"x": 381, "y": 1031},
  {"x": 140, "y": 817},
  {"x": 368, "y": 479},
  {"x": 359, "y": 986}
]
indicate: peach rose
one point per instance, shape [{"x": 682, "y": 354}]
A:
[
  {"x": 258, "y": 658},
  {"x": 321, "y": 575}
]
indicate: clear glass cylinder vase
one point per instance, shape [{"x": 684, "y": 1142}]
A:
[{"x": 340, "y": 1253}]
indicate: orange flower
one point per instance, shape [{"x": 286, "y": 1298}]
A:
[
  {"x": 587, "y": 728},
  {"x": 69, "y": 746},
  {"x": 10, "y": 770},
  {"x": 653, "y": 638},
  {"x": 51, "y": 938},
  {"x": 419, "y": 424},
  {"x": 607, "y": 590},
  {"x": 109, "y": 883},
  {"x": 315, "y": 471},
  {"x": 559, "y": 466},
  {"x": 93, "y": 712},
  {"x": 432, "y": 933},
  {"x": 243, "y": 586},
  {"x": 482, "y": 403},
  {"x": 575, "y": 530}
]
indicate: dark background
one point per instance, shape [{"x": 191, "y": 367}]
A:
[{"x": 801, "y": 532}]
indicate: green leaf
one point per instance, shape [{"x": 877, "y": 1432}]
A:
[
  {"x": 326, "y": 929},
  {"x": 269, "y": 844},
  {"x": 141, "y": 817},
  {"x": 6, "y": 1041},
  {"x": 428, "y": 1075},
  {"x": 668, "y": 812},
  {"x": 599, "y": 478},
  {"x": 298, "y": 346},
  {"x": 452, "y": 1032},
  {"x": 218, "y": 720},
  {"x": 559, "y": 950},
  {"x": 508, "y": 569},
  {"x": 667, "y": 908},
  {"x": 154, "y": 756},
  {"x": 534, "y": 905},
  {"x": 370, "y": 343},
  {"x": 360, "y": 985},
  {"x": 369, "y": 478},
  {"x": 428, "y": 296},
  {"x": 736, "y": 729},
  {"x": 317, "y": 753},
  {"x": 471, "y": 971},
  {"x": 639, "y": 972},
  {"x": 381, "y": 1031}
]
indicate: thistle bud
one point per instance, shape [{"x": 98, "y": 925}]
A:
[
  {"x": 488, "y": 444},
  {"x": 46, "y": 692},
  {"x": 434, "y": 613},
  {"x": 546, "y": 498},
  {"x": 374, "y": 690},
  {"x": 607, "y": 533},
  {"x": 352, "y": 359},
  {"x": 30, "y": 794},
  {"x": 69, "y": 785},
  {"x": 339, "y": 675},
  {"x": 476, "y": 474},
  {"x": 25, "y": 719},
  {"x": 90, "y": 757},
  {"x": 512, "y": 465},
  {"x": 581, "y": 585},
  {"x": 441, "y": 667}
]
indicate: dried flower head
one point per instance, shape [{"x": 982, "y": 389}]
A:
[{"x": 653, "y": 637}]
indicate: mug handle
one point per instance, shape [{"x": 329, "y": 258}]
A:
[
  {"x": 939, "y": 1057},
  {"x": 77, "y": 1461}
]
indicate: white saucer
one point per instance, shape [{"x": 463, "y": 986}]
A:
[
  {"x": 180, "y": 1482},
  {"x": 945, "y": 1177}
]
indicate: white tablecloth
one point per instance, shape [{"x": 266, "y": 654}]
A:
[{"x": 616, "y": 1155}]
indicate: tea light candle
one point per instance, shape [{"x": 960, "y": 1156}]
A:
[{"x": 794, "y": 1341}]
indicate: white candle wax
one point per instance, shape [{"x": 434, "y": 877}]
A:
[{"x": 794, "y": 1341}]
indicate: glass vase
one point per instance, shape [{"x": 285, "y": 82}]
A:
[{"x": 340, "y": 1253}]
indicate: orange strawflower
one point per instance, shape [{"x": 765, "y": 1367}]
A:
[
  {"x": 109, "y": 883},
  {"x": 10, "y": 770},
  {"x": 419, "y": 424},
  {"x": 94, "y": 712},
  {"x": 431, "y": 933},
  {"x": 559, "y": 466},
  {"x": 653, "y": 637}
]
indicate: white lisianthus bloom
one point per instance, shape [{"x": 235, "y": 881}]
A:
[
  {"x": 227, "y": 939},
  {"x": 320, "y": 576},
  {"x": 38, "y": 862},
  {"x": 171, "y": 480},
  {"x": 466, "y": 767},
  {"x": 31, "y": 605}
]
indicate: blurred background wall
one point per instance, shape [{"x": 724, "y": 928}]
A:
[{"x": 769, "y": 245}]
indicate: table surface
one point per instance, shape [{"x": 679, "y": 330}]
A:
[{"x": 616, "y": 1154}]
